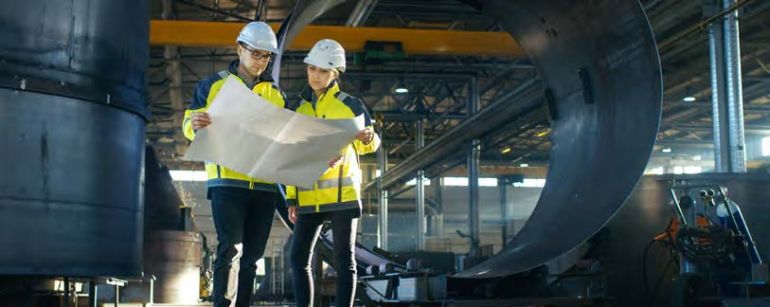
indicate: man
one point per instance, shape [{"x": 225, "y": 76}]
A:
[{"x": 242, "y": 207}]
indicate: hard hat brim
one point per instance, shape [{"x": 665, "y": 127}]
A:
[
  {"x": 270, "y": 49},
  {"x": 317, "y": 63}
]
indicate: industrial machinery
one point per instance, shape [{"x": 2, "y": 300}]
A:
[{"x": 715, "y": 251}]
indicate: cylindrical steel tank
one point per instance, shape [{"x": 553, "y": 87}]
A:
[
  {"x": 72, "y": 116},
  {"x": 174, "y": 258}
]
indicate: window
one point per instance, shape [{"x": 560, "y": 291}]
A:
[
  {"x": 655, "y": 171},
  {"x": 413, "y": 181},
  {"x": 188, "y": 175},
  {"x": 530, "y": 183},
  {"x": 693, "y": 169},
  {"x": 766, "y": 146}
]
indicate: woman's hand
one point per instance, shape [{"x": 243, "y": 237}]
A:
[
  {"x": 333, "y": 162},
  {"x": 365, "y": 135},
  {"x": 200, "y": 120},
  {"x": 293, "y": 214}
]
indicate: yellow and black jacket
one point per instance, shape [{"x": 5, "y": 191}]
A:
[
  {"x": 339, "y": 187},
  {"x": 204, "y": 95}
]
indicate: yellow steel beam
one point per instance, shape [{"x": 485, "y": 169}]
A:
[{"x": 414, "y": 41}]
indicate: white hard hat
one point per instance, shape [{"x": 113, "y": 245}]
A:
[
  {"x": 327, "y": 54},
  {"x": 258, "y": 35}
]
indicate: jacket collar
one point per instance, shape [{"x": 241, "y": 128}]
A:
[
  {"x": 232, "y": 68},
  {"x": 309, "y": 96}
]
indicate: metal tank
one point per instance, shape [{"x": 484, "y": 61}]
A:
[
  {"x": 72, "y": 116},
  {"x": 174, "y": 258}
]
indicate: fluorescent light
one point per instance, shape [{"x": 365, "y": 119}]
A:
[
  {"x": 689, "y": 99},
  {"x": 188, "y": 175},
  {"x": 766, "y": 146},
  {"x": 505, "y": 150},
  {"x": 524, "y": 165},
  {"x": 401, "y": 90},
  {"x": 678, "y": 170},
  {"x": 697, "y": 158},
  {"x": 666, "y": 150}
]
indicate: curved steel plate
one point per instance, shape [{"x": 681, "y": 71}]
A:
[
  {"x": 599, "y": 61},
  {"x": 600, "y": 66}
]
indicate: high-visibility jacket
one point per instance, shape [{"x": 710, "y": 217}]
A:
[
  {"x": 204, "y": 95},
  {"x": 340, "y": 186}
]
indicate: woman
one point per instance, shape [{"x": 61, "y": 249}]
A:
[{"x": 336, "y": 195}]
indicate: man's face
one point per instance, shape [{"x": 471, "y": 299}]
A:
[{"x": 252, "y": 60}]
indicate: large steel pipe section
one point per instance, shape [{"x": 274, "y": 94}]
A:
[
  {"x": 72, "y": 116},
  {"x": 601, "y": 71}
]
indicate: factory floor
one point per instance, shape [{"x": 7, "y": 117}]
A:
[{"x": 184, "y": 305}]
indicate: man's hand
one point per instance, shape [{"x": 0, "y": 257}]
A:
[
  {"x": 366, "y": 135},
  {"x": 293, "y": 214},
  {"x": 200, "y": 120},
  {"x": 333, "y": 162}
]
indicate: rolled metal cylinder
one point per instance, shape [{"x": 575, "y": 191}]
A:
[
  {"x": 72, "y": 112},
  {"x": 174, "y": 258},
  {"x": 599, "y": 66}
]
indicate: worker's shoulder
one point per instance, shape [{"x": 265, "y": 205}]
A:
[
  {"x": 269, "y": 84},
  {"x": 213, "y": 78},
  {"x": 352, "y": 102}
]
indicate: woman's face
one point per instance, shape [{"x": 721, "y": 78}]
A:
[{"x": 320, "y": 78}]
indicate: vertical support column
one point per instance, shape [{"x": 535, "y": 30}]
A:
[
  {"x": 382, "y": 217},
  {"x": 174, "y": 75},
  {"x": 117, "y": 295},
  {"x": 419, "y": 187},
  {"x": 318, "y": 275},
  {"x": 727, "y": 92},
  {"x": 92, "y": 295},
  {"x": 474, "y": 219},
  {"x": 67, "y": 292},
  {"x": 502, "y": 183},
  {"x": 437, "y": 228}
]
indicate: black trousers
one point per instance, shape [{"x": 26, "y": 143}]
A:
[
  {"x": 306, "y": 230},
  {"x": 243, "y": 219}
]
